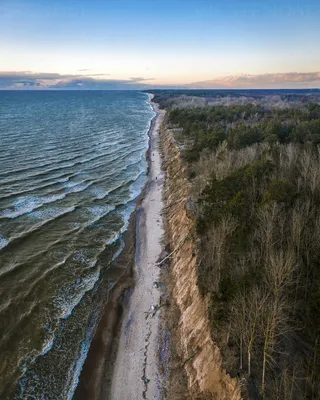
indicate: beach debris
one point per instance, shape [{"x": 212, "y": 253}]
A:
[
  {"x": 156, "y": 284},
  {"x": 182, "y": 241},
  {"x": 154, "y": 309},
  {"x": 145, "y": 379},
  {"x": 162, "y": 255}
]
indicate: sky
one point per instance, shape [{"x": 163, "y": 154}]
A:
[{"x": 137, "y": 44}]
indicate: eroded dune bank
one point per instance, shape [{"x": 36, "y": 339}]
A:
[{"x": 200, "y": 357}]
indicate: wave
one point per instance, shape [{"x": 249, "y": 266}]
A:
[
  {"x": 59, "y": 167},
  {"x": 76, "y": 367},
  {"x": 65, "y": 304},
  {"x": 3, "y": 242},
  {"x": 27, "y": 204},
  {"x": 75, "y": 230},
  {"x": 77, "y": 151},
  {"x": 54, "y": 180},
  {"x": 51, "y": 214},
  {"x": 99, "y": 193},
  {"x": 35, "y": 188},
  {"x": 98, "y": 212},
  {"x": 48, "y": 344},
  {"x": 74, "y": 370},
  {"x": 117, "y": 160},
  {"x": 34, "y": 164}
]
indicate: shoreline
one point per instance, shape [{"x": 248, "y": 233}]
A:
[
  {"x": 135, "y": 373},
  {"x": 98, "y": 378}
]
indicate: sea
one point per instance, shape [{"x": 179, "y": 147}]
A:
[{"x": 72, "y": 165}]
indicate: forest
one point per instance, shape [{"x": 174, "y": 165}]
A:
[{"x": 254, "y": 172}]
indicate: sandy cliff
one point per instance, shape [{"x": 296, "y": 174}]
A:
[{"x": 200, "y": 357}]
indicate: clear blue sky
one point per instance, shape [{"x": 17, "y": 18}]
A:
[{"x": 174, "y": 42}]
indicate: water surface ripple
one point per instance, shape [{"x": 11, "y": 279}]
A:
[{"x": 71, "y": 167}]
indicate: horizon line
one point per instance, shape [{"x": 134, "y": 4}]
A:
[{"x": 145, "y": 90}]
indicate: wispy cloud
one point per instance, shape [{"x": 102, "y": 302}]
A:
[
  {"x": 96, "y": 75},
  {"x": 292, "y": 79},
  {"x": 140, "y": 79}
]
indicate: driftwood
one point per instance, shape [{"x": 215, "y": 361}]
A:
[{"x": 169, "y": 255}]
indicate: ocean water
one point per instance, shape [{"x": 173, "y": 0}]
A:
[{"x": 71, "y": 167}]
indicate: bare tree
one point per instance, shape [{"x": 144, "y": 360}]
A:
[
  {"x": 276, "y": 323},
  {"x": 247, "y": 317},
  {"x": 215, "y": 247}
]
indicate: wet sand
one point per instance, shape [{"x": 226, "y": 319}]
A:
[{"x": 135, "y": 372}]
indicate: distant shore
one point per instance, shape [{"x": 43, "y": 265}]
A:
[{"x": 125, "y": 336}]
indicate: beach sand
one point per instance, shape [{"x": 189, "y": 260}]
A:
[{"x": 136, "y": 358}]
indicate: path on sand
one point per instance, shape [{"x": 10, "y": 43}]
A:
[{"x": 137, "y": 359}]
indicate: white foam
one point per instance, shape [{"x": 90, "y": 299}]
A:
[
  {"x": 3, "y": 242},
  {"x": 79, "y": 187},
  {"x": 47, "y": 346},
  {"x": 27, "y": 204},
  {"x": 76, "y": 367},
  {"x": 136, "y": 187},
  {"x": 67, "y": 301},
  {"x": 99, "y": 193},
  {"x": 75, "y": 225},
  {"x": 51, "y": 213},
  {"x": 99, "y": 211},
  {"x": 82, "y": 256}
]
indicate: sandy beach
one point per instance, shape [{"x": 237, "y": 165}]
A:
[{"x": 135, "y": 372}]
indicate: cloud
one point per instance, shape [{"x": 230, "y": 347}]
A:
[
  {"x": 26, "y": 79},
  {"x": 289, "y": 79},
  {"x": 35, "y": 80},
  {"x": 97, "y": 75},
  {"x": 99, "y": 84},
  {"x": 140, "y": 79},
  {"x": 48, "y": 80},
  {"x": 33, "y": 75}
]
